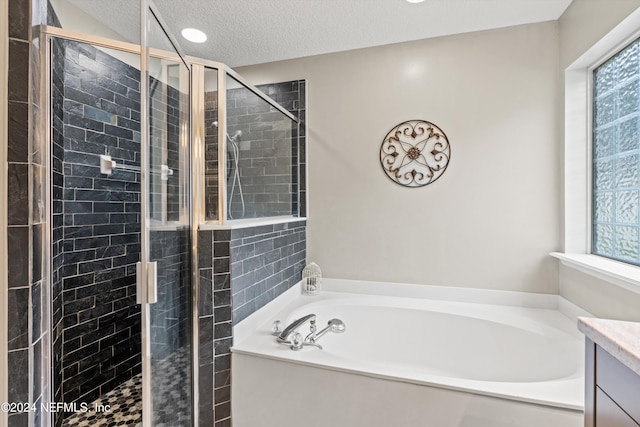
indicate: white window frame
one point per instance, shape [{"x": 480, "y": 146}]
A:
[{"x": 577, "y": 161}]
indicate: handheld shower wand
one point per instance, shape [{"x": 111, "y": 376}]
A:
[
  {"x": 236, "y": 171},
  {"x": 234, "y": 157}
]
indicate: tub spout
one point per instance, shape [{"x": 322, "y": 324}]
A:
[{"x": 285, "y": 335}]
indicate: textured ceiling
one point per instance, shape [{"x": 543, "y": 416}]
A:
[{"x": 244, "y": 32}]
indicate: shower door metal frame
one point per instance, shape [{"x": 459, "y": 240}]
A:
[
  {"x": 47, "y": 33},
  {"x": 147, "y": 7},
  {"x": 198, "y": 122}
]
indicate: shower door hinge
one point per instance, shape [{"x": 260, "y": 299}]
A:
[{"x": 146, "y": 284}]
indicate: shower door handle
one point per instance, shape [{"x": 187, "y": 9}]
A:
[
  {"x": 147, "y": 293},
  {"x": 152, "y": 282}
]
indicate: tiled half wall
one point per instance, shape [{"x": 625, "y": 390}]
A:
[{"x": 241, "y": 270}]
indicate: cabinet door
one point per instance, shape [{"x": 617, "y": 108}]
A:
[{"x": 608, "y": 414}]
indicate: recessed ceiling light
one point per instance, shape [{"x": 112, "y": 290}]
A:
[
  {"x": 194, "y": 35},
  {"x": 415, "y": 1}
]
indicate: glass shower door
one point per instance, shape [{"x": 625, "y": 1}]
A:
[{"x": 167, "y": 374}]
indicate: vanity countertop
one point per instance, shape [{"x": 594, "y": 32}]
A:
[{"x": 619, "y": 338}]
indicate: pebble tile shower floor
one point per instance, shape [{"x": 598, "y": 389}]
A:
[
  {"x": 125, "y": 401},
  {"x": 125, "y": 407}
]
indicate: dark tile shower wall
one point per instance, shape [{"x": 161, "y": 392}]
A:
[
  {"x": 265, "y": 158},
  {"x": 171, "y": 314},
  {"x": 57, "y": 209},
  {"x": 96, "y": 243},
  {"x": 27, "y": 339},
  {"x": 214, "y": 303},
  {"x": 269, "y": 175},
  {"x": 96, "y": 235},
  {"x": 241, "y": 270},
  {"x": 292, "y": 96},
  {"x": 27, "y": 345},
  {"x": 211, "y": 155},
  {"x": 164, "y": 133},
  {"x": 265, "y": 261},
  {"x": 97, "y": 224}
]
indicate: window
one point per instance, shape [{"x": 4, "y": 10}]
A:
[
  {"x": 600, "y": 197},
  {"x": 615, "y": 231}
]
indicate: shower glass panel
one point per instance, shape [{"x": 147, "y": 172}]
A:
[
  {"x": 211, "y": 176},
  {"x": 262, "y": 156},
  {"x": 168, "y": 387},
  {"x": 96, "y": 324}
]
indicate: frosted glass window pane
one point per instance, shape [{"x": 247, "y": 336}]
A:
[
  {"x": 604, "y": 76},
  {"x": 628, "y": 99},
  {"x": 605, "y": 110},
  {"x": 626, "y": 243},
  {"x": 604, "y": 175},
  {"x": 626, "y": 63},
  {"x": 627, "y": 206},
  {"x": 627, "y": 136},
  {"x": 604, "y": 141},
  {"x": 604, "y": 206},
  {"x": 616, "y": 157},
  {"x": 603, "y": 240},
  {"x": 627, "y": 171}
]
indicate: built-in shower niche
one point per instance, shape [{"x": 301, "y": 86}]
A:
[{"x": 96, "y": 240}]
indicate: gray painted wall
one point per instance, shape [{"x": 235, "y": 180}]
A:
[
  {"x": 583, "y": 24},
  {"x": 492, "y": 218}
]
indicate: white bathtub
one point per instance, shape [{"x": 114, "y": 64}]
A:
[{"x": 431, "y": 357}]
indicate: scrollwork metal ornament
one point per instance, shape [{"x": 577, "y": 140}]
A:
[{"x": 415, "y": 153}]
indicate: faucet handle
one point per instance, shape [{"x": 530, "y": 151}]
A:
[
  {"x": 296, "y": 341},
  {"x": 276, "y": 328}
]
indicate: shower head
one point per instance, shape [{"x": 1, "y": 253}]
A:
[
  {"x": 337, "y": 326},
  {"x": 235, "y": 136}
]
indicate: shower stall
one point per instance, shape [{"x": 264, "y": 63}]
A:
[
  {"x": 260, "y": 151},
  {"x": 146, "y": 148}
]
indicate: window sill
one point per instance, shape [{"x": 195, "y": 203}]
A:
[{"x": 624, "y": 275}]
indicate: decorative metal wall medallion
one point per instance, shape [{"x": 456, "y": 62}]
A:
[{"x": 415, "y": 153}]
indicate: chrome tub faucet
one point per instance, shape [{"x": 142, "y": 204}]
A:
[{"x": 290, "y": 335}]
